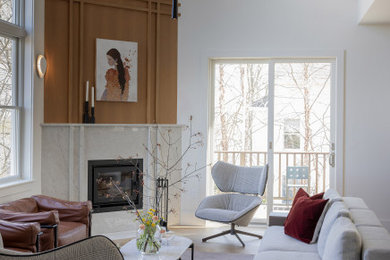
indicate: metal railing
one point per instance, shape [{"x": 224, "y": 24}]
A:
[{"x": 317, "y": 163}]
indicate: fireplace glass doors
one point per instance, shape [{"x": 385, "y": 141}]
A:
[{"x": 126, "y": 174}]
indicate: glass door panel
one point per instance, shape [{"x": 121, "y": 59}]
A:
[
  {"x": 302, "y": 130},
  {"x": 240, "y": 117}
]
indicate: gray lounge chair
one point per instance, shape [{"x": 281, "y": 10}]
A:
[{"x": 234, "y": 208}]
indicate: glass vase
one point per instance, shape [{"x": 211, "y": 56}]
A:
[{"x": 149, "y": 240}]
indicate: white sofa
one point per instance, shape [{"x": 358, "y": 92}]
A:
[{"x": 350, "y": 231}]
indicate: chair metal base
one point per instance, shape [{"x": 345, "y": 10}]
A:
[{"x": 232, "y": 231}]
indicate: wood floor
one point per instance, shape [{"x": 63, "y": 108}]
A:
[{"x": 223, "y": 244}]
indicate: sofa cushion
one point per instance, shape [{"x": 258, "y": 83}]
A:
[
  {"x": 274, "y": 239},
  {"x": 355, "y": 203},
  {"x": 69, "y": 232},
  {"x": 376, "y": 243},
  {"x": 364, "y": 217},
  {"x": 302, "y": 220},
  {"x": 344, "y": 242},
  {"x": 336, "y": 210},
  {"x": 332, "y": 194},
  {"x": 227, "y": 207},
  {"x": 286, "y": 255},
  {"x": 220, "y": 215}
]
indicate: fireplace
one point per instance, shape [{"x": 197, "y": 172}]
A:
[{"x": 127, "y": 175}]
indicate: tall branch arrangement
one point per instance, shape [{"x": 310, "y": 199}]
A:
[{"x": 167, "y": 161}]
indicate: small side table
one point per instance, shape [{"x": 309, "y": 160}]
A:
[{"x": 173, "y": 251}]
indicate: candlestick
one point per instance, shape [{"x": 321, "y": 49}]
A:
[
  {"x": 93, "y": 97},
  {"x": 86, "y": 114},
  {"x": 86, "y": 91},
  {"x": 92, "y": 118}
]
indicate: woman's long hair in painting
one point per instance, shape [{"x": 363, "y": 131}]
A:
[{"x": 115, "y": 54}]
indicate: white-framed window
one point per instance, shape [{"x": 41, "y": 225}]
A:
[{"x": 12, "y": 35}]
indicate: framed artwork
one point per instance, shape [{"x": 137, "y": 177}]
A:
[{"x": 116, "y": 70}]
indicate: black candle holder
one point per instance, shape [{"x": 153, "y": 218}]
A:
[
  {"x": 92, "y": 118},
  {"x": 86, "y": 114}
]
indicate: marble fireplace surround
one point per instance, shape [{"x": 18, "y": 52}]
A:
[{"x": 66, "y": 149}]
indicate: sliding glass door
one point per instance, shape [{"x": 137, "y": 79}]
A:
[{"x": 275, "y": 112}]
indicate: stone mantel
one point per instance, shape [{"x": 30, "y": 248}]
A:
[
  {"x": 114, "y": 125},
  {"x": 67, "y": 148}
]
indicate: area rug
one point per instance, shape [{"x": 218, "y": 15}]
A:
[{"x": 215, "y": 256}]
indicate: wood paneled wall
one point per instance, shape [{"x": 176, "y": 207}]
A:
[{"x": 71, "y": 29}]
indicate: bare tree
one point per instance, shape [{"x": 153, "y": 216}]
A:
[
  {"x": 224, "y": 143},
  {"x": 310, "y": 92},
  {"x": 235, "y": 113},
  {"x": 5, "y": 91}
]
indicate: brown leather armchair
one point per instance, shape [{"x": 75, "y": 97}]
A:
[
  {"x": 62, "y": 222},
  {"x": 20, "y": 236}
]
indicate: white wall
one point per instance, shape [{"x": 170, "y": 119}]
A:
[
  {"x": 33, "y": 107},
  {"x": 231, "y": 26}
]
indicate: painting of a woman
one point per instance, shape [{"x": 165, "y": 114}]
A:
[
  {"x": 117, "y": 78},
  {"x": 116, "y": 70}
]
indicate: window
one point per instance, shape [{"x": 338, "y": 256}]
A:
[
  {"x": 11, "y": 35},
  {"x": 6, "y": 10},
  {"x": 292, "y": 139}
]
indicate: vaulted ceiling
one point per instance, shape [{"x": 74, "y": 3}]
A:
[{"x": 374, "y": 12}]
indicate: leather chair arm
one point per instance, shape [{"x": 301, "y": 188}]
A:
[
  {"x": 20, "y": 235},
  {"x": 44, "y": 218},
  {"x": 68, "y": 210}
]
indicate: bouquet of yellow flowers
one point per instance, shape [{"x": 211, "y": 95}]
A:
[
  {"x": 149, "y": 233},
  {"x": 148, "y": 237}
]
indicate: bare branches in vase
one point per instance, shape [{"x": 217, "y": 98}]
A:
[{"x": 168, "y": 170}]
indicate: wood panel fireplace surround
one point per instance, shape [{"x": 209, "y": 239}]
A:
[{"x": 125, "y": 173}]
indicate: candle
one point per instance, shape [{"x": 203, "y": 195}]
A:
[
  {"x": 86, "y": 93},
  {"x": 93, "y": 96}
]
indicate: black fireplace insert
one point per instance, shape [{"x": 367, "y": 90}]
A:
[{"x": 125, "y": 173}]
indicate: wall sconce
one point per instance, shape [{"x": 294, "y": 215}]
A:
[
  {"x": 174, "y": 9},
  {"x": 41, "y": 66}
]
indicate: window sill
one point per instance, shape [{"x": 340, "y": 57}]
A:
[{"x": 14, "y": 183}]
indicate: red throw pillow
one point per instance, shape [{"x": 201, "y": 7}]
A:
[
  {"x": 302, "y": 193},
  {"x": 303, "y": 217}
]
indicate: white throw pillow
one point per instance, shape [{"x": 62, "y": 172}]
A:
[
  {"x": 332, "y": 195},
  {"x": 320, "y": 222}
]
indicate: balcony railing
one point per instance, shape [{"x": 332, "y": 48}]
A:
[{"x": 317, "y": 163}]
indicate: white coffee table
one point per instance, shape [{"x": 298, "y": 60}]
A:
[{"x": 174, "y": 250}]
